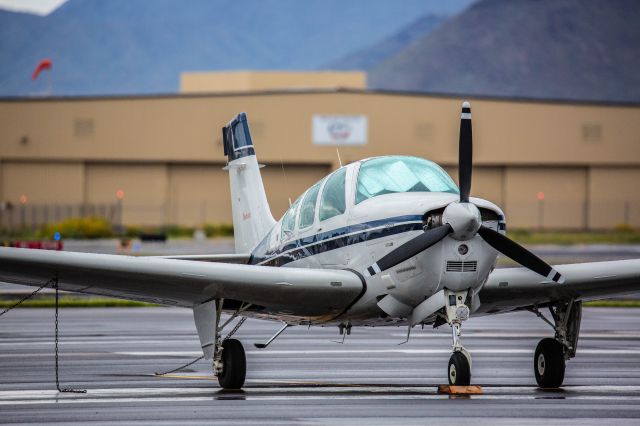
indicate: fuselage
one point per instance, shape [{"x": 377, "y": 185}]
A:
[{"x": 364, "y": 210}]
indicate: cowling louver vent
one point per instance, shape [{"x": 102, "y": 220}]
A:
[{"x": 462, "y": 266}]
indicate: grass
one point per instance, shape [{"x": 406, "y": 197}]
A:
[
  {"x": 94, "y": 228},
  {"x": 76, "y": 302},
  {"x": 618, "y": 235}
]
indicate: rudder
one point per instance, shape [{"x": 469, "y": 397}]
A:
[{"x": 252, "y": 217}]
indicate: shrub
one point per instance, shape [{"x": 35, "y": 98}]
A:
[{"x": 89, "y": 227}]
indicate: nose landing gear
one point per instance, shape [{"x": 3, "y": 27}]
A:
[{"x": 459, "y": 371}]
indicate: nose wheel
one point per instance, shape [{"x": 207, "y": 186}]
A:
[{"x": 459, "y": 370}]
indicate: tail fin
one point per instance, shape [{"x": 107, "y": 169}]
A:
[{"x": 252, "y": 217}]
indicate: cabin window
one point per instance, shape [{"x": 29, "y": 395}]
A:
[
  {"x": 289, "y": 221},
  {"x": 388, "y": 175},
  {"x": 333, "y": 198},
  {"x": 308, "y": 208}
]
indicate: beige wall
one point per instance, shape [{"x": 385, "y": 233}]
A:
[
  {"x": 145, "y": 189},
  {"x": 614, "y": 197},
  {"x": 565, "y": 195},
  {"x": 243, "y": 81},
  {"x": 198, "y": 194},
  {"x": 42, "y": 183},
  {"x": 166, "y": 152}
]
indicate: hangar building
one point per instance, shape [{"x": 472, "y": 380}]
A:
[{"x": 552, "y": 164}]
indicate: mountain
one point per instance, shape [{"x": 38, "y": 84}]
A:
[
  {"x": 566, "y": 49},
  {"x": 371, "y": 56},
  {"x": 137, "y": 46}
]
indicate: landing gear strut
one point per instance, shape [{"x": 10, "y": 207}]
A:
[
  {"x": 459, "y": 371},
  {"x": 552, "y": 353},
  {"x": 229, "y": 360}
]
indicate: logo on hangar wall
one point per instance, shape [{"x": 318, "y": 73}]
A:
[{"x": 339, "y": 129}]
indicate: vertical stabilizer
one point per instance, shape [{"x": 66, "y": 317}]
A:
[{"x": 252, "y": 217}]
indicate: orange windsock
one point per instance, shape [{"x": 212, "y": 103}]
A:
[{"x": 44, "y": 64}]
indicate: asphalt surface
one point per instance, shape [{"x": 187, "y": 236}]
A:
[{"x": 306, "y": 378}]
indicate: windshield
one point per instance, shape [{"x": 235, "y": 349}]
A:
[{"x": 388, "y": 175}]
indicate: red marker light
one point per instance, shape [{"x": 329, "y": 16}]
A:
[
  {"x": 119, "y": 194},
  {"x": 540, "y": 195},
  {"x": 23, "y": 199}
]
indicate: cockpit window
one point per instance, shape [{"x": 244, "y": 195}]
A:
[
  {"x": 333, "y": 198},
  {"x": 388, "y": 175},
  {"x": 308, "y": 208},
  {"x": 289, "y": 221}
]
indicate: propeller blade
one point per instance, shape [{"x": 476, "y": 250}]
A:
[
  {"x": 465, "y": 153},
  {"x": 520, "y": 254},
  {"x": 409, "y": 249}
]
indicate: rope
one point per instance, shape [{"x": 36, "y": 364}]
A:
[{"x": 181, "y": 367}]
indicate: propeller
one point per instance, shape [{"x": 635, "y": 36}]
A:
[{"x": 462, "y": 221}]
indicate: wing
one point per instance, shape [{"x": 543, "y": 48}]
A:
[
  {"x": 221, "y": 258},
  {"x": 290, "y": 291},
  {"x": 517, "y": 288}
]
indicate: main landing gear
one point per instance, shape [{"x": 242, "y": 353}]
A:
[
  {"x": 459, "y": 371},
  {"x": 229, "y": 359},
  {"x": 552, "y": 353}
]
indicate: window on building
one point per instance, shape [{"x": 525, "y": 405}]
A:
[
  {"x": 308, "y": 207},
  {"x": 333, "y": 198},
  {"x": 591, "y": 132}
]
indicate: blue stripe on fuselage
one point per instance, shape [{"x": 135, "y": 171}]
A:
[{"x": 334, "y": 239}]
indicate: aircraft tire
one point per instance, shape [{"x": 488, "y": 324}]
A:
[
  {"x": 459, "y": 370},
  {"x": 234, "y": 365},
  {"x": 549, "y": 364}
]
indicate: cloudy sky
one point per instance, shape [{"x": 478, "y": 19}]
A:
[{"x": 41, "y": 7}]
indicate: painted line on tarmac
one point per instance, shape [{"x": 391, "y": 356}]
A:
[
  {"x": 479, "y": 351},
  {"x": 622, "y": 399},
  {"x": 380, "y": 351},
  {"x": 502, "y": 335}
]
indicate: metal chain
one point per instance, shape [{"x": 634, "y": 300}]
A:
[
  {"x": 231, "y": 333},
  {"x": 181, "y": 367},
  {"x": 27, "y": 297},
  {"x": 236, "y": 328},
  {"x": 55, "y": 285}
]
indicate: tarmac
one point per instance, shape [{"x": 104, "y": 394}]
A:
[{"x": 306, "y": 378}]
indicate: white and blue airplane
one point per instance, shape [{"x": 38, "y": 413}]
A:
[{"x": 384, "y": 241}]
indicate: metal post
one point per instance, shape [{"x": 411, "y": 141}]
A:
[
  {"x": 540, "y": 214},
  {"x": 627, "y": 213}
]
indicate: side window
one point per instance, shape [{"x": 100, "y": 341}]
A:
[
  {"x": 308, "y": 208},
  {"x": 289, "y": 221},
  {"x": 333, "y": 198}
]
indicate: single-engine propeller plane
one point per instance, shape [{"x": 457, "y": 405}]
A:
[{"x": 385, "y": 241}]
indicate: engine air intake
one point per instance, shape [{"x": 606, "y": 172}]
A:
[{"x": 462, "y": 266}]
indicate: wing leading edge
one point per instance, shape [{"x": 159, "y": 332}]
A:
[
  {"x": 517, "y": 288},
  {"x": 293, "y": 291}
]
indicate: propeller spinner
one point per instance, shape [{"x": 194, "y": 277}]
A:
[{"x": 461, "y": 219}]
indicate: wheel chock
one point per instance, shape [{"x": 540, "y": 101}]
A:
[{"x": 460, "y": 390}]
